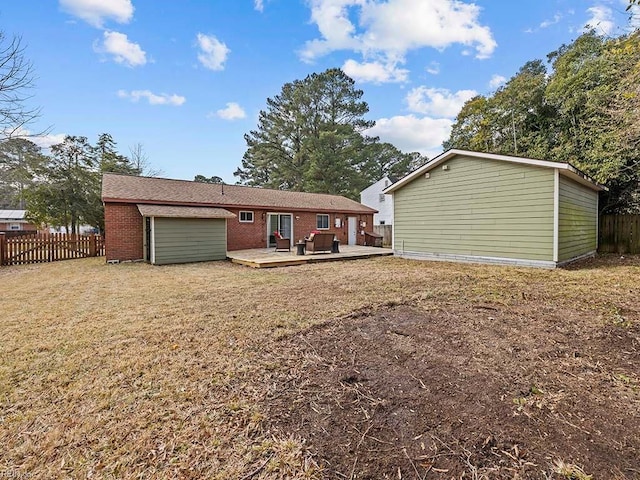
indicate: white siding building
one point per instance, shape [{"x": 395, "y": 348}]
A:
[{"x": 373, "y": 197}]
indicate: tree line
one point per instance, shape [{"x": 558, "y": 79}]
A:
[
  {"x": 63, "y": 188},
  {"x": 585, "y": 110}
]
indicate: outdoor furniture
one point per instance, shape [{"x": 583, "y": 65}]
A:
[
  {"x": 335, "y": 248},
  {"x": 283, "y": 244},
  {"x": 319, "y": 242},
  {"x": 372, "y": 239},
  {"x": 300, "y": 248}
]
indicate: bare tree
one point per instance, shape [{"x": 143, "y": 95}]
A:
[
  {"x": 16, "y": 80},
  {"x": 139, "y": 160}
]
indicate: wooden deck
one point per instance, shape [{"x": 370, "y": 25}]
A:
[{"x": 268, "y": 258}]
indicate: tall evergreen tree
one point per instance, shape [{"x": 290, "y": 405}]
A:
[
  {"x": 66, "y": 195},
  {"x": 310, "y": 138},
  {"x": 20, "y": 159},
  {"x": 67, "y": 186},
  {"x": 109, "y": 160}
]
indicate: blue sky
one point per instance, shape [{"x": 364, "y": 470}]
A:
[{"x": 186, "y": 79}]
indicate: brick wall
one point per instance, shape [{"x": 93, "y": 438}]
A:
[
  {"x": 242, "y": 235},
  {"x": 27, "y": 227},
  {"x": 123, "y": 230}
]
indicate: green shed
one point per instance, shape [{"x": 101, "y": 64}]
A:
[
  {"x": 176, "y": 234},
  {"x": 479, "y": 207}
]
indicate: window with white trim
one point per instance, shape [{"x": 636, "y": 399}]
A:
[
  {"x": 246, "y": 217},
  {"x": 14, "y": 226},
  {"x": 322, "y": 221}
]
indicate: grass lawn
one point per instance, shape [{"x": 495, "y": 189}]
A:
[{"x": 204, "y": 370}]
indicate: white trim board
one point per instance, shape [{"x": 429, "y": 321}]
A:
[
  {"x": 516, "y": 262},
  {"x": 556, "y": 213}
]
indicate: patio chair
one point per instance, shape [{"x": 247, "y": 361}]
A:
[{"x": 282, "y": 243}]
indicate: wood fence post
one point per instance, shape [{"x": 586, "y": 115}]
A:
[
  {"x": 93, "y": 250},
  {"x": 3, "y": 248}
]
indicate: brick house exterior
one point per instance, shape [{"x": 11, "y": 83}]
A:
[
  {"x": 125, "y": 225},
  {"x": 125, "y": 232}
]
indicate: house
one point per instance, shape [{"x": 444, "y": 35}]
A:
[
  {"x": 479, "y": 207},
  {"x": 373, "y": 197},
  {"x": 15, "y": 221},
  {"x": 173, "y": 221}
]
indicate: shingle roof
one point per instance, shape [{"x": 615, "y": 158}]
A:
[
  {"x": 183, "y": 212},
  {"x": 148, "y": 190}
]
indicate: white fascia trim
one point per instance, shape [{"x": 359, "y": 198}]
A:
[
  {"x": 556, "y": 213},
  {"x": 443, "y": 157}
]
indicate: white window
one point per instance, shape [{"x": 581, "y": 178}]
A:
[
  {"x": 246, "y": 217},
  {"x": 381, "y": 197},
  {"x": 14, "y": 226},
  {"x": 322, "y": 222}
]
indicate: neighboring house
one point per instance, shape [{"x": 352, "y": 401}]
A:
[
  {"x": 470, "y": 206},
  {"x": 373, "y": 197},
  {"x": 173, "y": 221},
  {"x": 14, "y": 221}
]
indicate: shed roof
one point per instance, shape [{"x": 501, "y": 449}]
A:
[
  {"x": 565, "y": 169},
  {"x": 183, "y": 212},
  {"x": 151, "y": 190},
  {"x": 12, "y": 214}
]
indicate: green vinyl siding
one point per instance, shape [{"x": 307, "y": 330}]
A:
[
  {"x": 478, "y": 207},
  {"x": 183, "y": 240},
  {"x": 577, "y": 220}
]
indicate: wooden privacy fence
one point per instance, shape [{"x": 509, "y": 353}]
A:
[
  {"x": 386, "y": 231},
  {"x": 48, "y": 247},
  {"x": 619, "y": 234}
]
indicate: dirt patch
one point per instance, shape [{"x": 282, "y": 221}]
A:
[{"x": 479, "y": 392}]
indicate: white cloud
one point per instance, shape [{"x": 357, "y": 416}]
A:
[
  {"x": 438, "y": 102},
  {"x": 123, "y": 51},
  {"x": 496, "y": 81},
  {"x": 547, "y": 23},
  {"x": 259, "y": 5},
  {"x": 213, "y": 53},
  {"x": 387, "y": 30},
  {"x": 374, "y": 72},
  {"x": 45, "y": 141},
  {"x": 413, "y": 134},
  {"x": 152, "y": 98},
  {"x": 433, "y": 68},
  {"x": 601, "y": 19},
  {"x": 233, "y": 111},
  {"x": 95, "y": 12}
]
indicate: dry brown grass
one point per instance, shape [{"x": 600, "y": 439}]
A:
[{"x": 135, "y": 371}]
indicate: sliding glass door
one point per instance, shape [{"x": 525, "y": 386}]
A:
[{"x": 281, "y": 223}]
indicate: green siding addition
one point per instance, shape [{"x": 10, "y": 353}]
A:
[
  {"x": 577, "y": 220},
  {"x": 184, "y": 240},
  {"x": 478, "y": 207}
]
